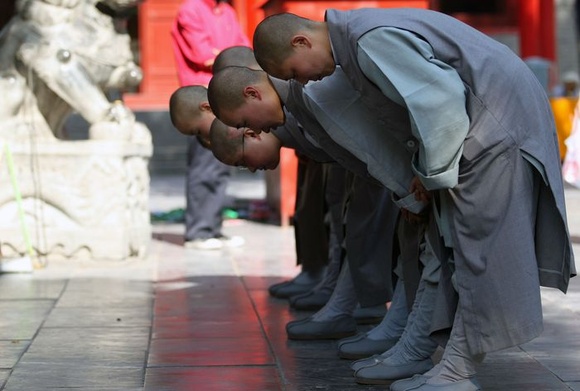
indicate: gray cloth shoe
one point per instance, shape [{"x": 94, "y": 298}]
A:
[
  {"x": 364, "y": 347},
  {"x": 381, "y": 373},
  {"x": 274, "y": 287},
  {"x": 302, "y": 283},
  {"x": 409, "y": 384},
  {"x": 462, "y": 385},
  {"x": 292, "y": 289},
  {"x": 310, "y": 301},
  {"x": 308, "y": 329},
  {"x": 354, "y": 338},
  {"x": 365, "y": 362}
]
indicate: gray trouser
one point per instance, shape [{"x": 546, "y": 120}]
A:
[{"x": 207, "y": 179}]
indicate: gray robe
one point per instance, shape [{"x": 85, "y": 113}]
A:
[
  {"x": 505, "y": 217},
  {"x": 371, "y": 216},
  {"x": 291, "y": 135}
]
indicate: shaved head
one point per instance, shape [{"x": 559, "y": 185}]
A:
[
  {"x": 273, "y": 37},
  {"x": 226, "y": 88},
  {"x": 226, "y": 142},
  {"x": 241, "y": 56},
  {"x": 244, "y": 147},
  {"x": 184, "y": 106}
]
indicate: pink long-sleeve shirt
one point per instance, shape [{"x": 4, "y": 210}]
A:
[{"x": 202, "y": 29}]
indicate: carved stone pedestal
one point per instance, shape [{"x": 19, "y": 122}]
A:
[{"x": 86, "y": 199}]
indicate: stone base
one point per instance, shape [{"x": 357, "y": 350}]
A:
[{"x": 87, "y": 199}]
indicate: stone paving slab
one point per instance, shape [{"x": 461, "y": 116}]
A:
[
  {"x": 32, "y": 377},
  {"x": 21, "y": 286},
  {"x": 89, "y": 346},
  {"x": 11, "y": 351},
  {"x": 20, "y": 319}
]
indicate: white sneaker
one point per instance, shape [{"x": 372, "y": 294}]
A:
[
  {"x": 232, "y": 241},
  {"x": 205, "y": 244}
]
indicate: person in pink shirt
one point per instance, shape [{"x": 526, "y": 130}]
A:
[{"x": 202, "y": 29}]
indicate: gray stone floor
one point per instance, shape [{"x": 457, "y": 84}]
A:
[{"x": 190, "y": 320}]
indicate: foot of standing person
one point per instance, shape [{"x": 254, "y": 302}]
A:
[
  {"x": 231, "y": 241},
  {"x": 204, "y": 244},
  {"x": 216, "y": 243}
]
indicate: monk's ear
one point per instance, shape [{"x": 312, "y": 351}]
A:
[
  {"x": 300, "y": 40},
  {"x": 204, "y": 106},
  {"x": 251, "y": 133},
  {"x": 252, "y": 92}
]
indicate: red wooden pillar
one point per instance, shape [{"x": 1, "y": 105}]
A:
[
  {"x": 157, "y": 59},
  {"x": 537, "y": 29},
  {"x": 548, "y": 30},
  {"x": 529, "y": 25}
]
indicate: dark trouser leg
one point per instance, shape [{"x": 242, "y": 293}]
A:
[
  {"x": 309, "y": 227},
  {"x": 334, "y": 195},
  {"x": 370, "y": 235},
  {"x": 310, "y": 231}
]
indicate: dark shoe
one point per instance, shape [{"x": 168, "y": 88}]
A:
[
  {"x": 409, "y": 384},
  {"x": 293, "y": 289},
  {"x": 310, "y": 301},
  {"x": 364, "y": 347},
  {"x": 307, "y": 329},
  {"x": 354, "y": 338},
  {"x": 273, "y": 288},
  {"x": 461, "y": 385},
  {"x": 370, "y": 315},
  {"x": 380, "y": 373},
  {"x": 302, "y": 283}
]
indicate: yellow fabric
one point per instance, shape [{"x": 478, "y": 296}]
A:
[{"x": 563, "y": 109}]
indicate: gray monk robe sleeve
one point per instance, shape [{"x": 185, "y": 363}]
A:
[
  {"x": 404, "y": 67},
  {"x": 292, "y": 136},
  {"x": 341, "y": 112}
]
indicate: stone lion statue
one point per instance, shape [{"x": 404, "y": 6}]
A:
[
  {"x": 60, "y": 56},
  {"x": 84, "y": 197}
]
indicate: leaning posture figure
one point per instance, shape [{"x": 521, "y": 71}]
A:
[{"x": 483, "y": 140}]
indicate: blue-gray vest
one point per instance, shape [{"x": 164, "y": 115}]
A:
[
  {"x": 291, "y": 135},
  {"x": 295, "y": 104}
]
